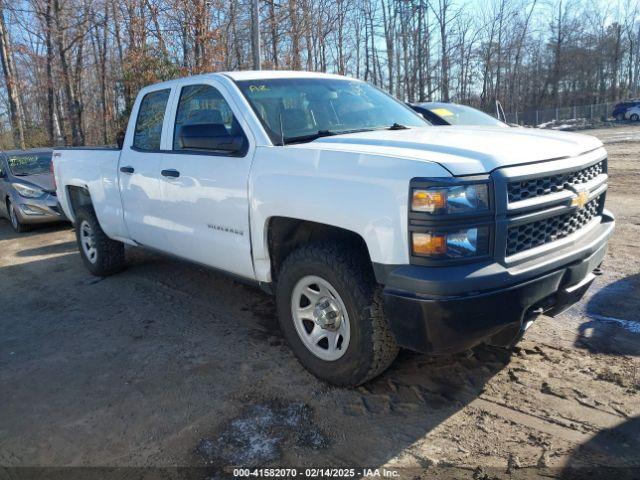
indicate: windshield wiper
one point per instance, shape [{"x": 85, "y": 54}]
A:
[
  {"x": 329, "y": 133},
  {"x": 324, "y": 133},
  {"x": 310, "y": 137},
  {"x": 20, "y": 174},
  {"x": 398, "y": 126}
]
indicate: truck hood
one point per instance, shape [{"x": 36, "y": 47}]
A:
[{"x": 464, "y": 150}]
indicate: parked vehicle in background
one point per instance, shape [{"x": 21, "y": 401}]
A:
[
  {"x": 633, "y": 113},
  {"x": 620, "y": 109},
  {"x": 441, "y": 113},
  {"x": 27, "y": 188},
  {"x": 374, "y": 229}
]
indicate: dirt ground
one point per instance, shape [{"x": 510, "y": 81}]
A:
[{"x": 168, "y": 364}]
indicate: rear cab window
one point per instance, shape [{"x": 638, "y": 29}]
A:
[{"x": 148, "y": 131}]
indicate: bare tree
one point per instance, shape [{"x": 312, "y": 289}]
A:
[
  {"x": 72, "y": 68},
  {"x": 11, "y": 83}
]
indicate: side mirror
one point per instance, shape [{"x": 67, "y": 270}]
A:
[
  {"x": 120, "y": 139},
  {"x": 210, "y": 136}
]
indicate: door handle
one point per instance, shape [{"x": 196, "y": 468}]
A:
[
  {"x": 170, "y": 173},
  {"x": 127, "y": 169}
]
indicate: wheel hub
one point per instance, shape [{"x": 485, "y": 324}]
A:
[
  {"x": 320, "y": 318},
  {"x": 87, "y": 241},
  {"x": 327, "y": 314}
]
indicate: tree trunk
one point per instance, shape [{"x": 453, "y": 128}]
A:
[
  {"x": 295, "y": 35},
  {"x": 70, "y": 103},
  {"x": 13, "y": 89},
  {"x": 50, "y": 120},
  {"x": 388, "y": 21},
  {"x": 273, "y": 27}
]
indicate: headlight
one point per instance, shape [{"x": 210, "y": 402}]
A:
[
  {"x": 447, "y": 200},
  {"x": 27, "y": 191},
  {"x": 463, "y": 243}
]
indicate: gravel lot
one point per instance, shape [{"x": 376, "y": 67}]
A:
[{"x": 170, "y": 364}]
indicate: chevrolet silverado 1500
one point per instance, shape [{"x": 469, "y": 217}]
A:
[{"x": 373, "y": 229}]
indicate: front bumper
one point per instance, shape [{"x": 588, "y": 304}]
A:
[
  {"x": 450, "y": 309},
  {"x": 45, "y": 209}
]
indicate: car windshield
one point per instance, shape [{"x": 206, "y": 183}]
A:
[
  {"x": 462, "y": 115},
  {"x": 303, "y": 109},
  {"x": 24, "y": 164}
]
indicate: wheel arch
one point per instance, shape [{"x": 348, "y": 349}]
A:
[
  {"x": 7, "y": 200},
  {"x": 78, "y": 197},
  {"x": 284, "y": 234}
]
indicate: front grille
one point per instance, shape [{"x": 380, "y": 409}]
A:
[
  {"x": 537, "y": 187},
  {"x": 531, "y": 235}
]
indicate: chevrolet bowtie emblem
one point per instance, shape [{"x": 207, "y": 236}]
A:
[{"x": 581, "y": 200}]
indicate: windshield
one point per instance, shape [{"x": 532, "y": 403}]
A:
[
  {"x": 462, "y": 115},
  {"x": 29, "y": 163},
  {"x": 302, "y": 109}
]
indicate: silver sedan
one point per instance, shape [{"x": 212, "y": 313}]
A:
[{"x": 27, "y": 189}]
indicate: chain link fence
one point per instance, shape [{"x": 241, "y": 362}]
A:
[{"x": 598, "y": 112}]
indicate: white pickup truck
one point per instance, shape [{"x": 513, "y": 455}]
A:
[{"x": 374, "y": 229}]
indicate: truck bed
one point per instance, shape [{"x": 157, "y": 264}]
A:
[{"x": 93, "y": 169}]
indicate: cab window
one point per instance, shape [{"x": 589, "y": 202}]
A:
[
  {"x": 148, "y": 129},
  {"x": 205, "y": 122}
]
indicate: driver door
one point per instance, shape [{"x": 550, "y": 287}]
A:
[{"x": 204, "y": 190}]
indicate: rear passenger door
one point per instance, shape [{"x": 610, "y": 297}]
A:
[
  {"x": 205, "y": 170},
  {"x": 139, "y": 171}
]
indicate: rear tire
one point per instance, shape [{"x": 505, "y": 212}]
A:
[
  {"x": 367, "y": 347},
  {"x": 101, "y": 255},
  {"x": 17, "y": 225}
]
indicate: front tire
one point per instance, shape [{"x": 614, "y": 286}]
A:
[
  {"x": 16, "y": 224},
  {"x": 330, "y": 312},
  {"x": 634, "y": 117},
  {"x": 101, "y": 255}
]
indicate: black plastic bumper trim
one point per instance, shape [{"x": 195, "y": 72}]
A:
[{"x": 455, "y": 323}]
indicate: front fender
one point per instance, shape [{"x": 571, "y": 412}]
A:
[{"x": 363, "y": 193}]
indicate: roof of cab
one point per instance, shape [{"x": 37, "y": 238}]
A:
[
  {"x": 250, "y": 75},
  {"x": 269, "y": 74}
]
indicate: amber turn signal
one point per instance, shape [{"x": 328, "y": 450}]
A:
[
  {"x": 428, "y": 200},
  {"x": 429, "y": 244}
]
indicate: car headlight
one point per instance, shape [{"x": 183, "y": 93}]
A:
[
  {"x": 27, "y": 191},
  {"x": 459, "y": 243},
  {"x": 468, "y": 198}
]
